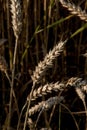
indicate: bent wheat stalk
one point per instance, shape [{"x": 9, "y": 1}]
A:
[{"x": 74, "y": 10}]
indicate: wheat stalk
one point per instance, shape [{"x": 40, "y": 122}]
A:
[
  {"x": 45, "y": 105},
  {"x": 48, "y": 61},
  {"x": 16, "y": 16},
  {"x": 16, "y": 11},
  {"x": 74, "y": 10},
  {"x": 44, "y": 90}
]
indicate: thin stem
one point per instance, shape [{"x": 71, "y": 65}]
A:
[
  {"x": 25, "y": 122},
  {"x": 19, "y": 120},
  {"x": 15, "y": 99},
  {"x": 12, "y": 82}
]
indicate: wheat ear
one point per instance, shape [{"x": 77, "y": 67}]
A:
[
  {"x": 44, "y": 90},
  {"x": 42, "y": 67},
  {"x": 45, "y": 105},
  {"x": 79, "y": 84},
  {"x": 16, "y": 16},
  {"x": 48, "y": 61},
  {"x": 74, "y": 10},
  {"x": 16, "y": 11}
]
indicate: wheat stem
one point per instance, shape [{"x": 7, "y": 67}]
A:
[
  {"x": 26, "y": 117},
  {"x": 12, "y": 82},
  {"x": 17, "y": 26}
]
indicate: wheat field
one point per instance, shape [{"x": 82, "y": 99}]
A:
[{"x": 43, "y": 65}]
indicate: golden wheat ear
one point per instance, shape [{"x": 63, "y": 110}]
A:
[
  {"x": 75, "y": 10},
  {"x": 16, "y": 16},
  {"x": 45, "y": 105},
  {"x": 47, "y": 62},
  {"x": 44, "y": 90}
]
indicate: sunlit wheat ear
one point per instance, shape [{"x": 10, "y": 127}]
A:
[
  {"x": 75, "y": 10},
  {"x": 48, "y": 61},
  {"x": 44, "y": 90},
  {"x": 45, "y": 105},
  {"x": 16, "y": 16}
]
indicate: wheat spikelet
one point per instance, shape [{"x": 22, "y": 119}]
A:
[
  {"x": 45, "y": 105},
  {"x": 3, "y": 64},
  {"x": 74, "y": 10},
  {"x": 74, "y": 81},
  {"x": 47, "y": 62},
  {"x": 44, "y": 90},
  {"x": 16, "y": 16},
  {"x": 78, "y": 82}
]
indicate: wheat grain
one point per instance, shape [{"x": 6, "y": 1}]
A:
[
  {"x": 44, "y": 90},
  {"x": 45, "y": 105},
  {"x": 16, "y": 16},
  {"x": 74, "y": 10},
  {"x": 48, "y": 61}
]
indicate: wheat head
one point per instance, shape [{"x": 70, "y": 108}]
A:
[
  {"x": 16, "y": 16},
  {"x": 74, "y": 10},
  {"x": 44, "y": 90},
  {"x": 45, "y": 105},
  {"x": 3, "y": 64},
  {"x": 48, "y": 61}
]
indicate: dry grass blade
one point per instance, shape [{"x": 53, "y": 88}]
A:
[
  {"x": 44, "y": 90},
  {"x": 74, "y": 10},
  {"x": 16, "y": 16},
  {"x": 48, "y": 61}
]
